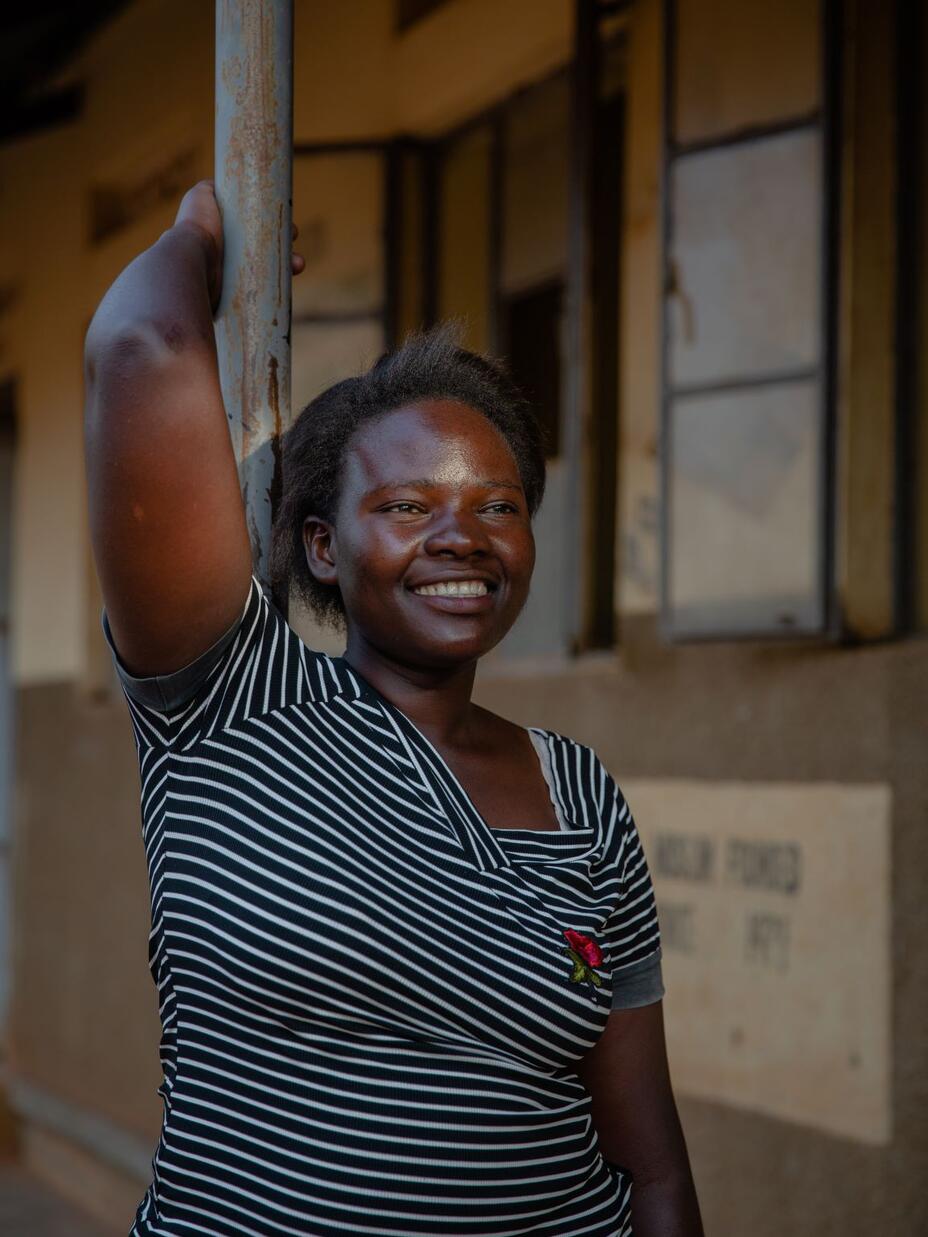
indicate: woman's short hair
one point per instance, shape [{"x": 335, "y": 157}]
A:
[{"x": 428, "y": 365}]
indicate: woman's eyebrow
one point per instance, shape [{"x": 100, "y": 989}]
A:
[
  {"x": 416, "y": 483},
  {"x": 425, "y": 483}
]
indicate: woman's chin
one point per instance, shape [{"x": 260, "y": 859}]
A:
[
  {"x": 446, "y": 645},
  {"x": 429, "y": 637}
]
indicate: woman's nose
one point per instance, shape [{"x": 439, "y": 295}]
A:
[{"x": 457, "y": 532}]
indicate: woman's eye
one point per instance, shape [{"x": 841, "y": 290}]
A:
[
  {"x": 402, "y": 507},
  {"x": 502, "y": 508}
]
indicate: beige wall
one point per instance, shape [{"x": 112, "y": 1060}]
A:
[
  {"x": 42, "y": 343},
  {"x": 126, "y": 130},
  {"x": 504, "y": 46},
  {"x": 414, "y": 82},
  {"x": 84, "y": 1021}
]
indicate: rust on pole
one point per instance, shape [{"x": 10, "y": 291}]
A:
[{"x": 254, "y": 185}]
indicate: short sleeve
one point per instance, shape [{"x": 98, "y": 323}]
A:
[
  {"x": 632, "y": 932},
  {"x": 169, "y": 692},
  {"x": 640, "y": 984},
  {"x": 174, "y": 709},
  {"x": 259, "y": 666}
]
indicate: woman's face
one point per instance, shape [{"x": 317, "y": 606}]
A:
[{"x": 432, "y": 545}]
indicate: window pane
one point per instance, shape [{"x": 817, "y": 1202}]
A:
[
  {"x": 744, "y": 64},
  {"x": 464, "y": 231},
  {"x": 323, "y": 353},
  {"x": 533, "y": 331},
  {"x": 747, "y": 259},
  {"x": 535, "y": 187},
  {"x": 338, "y": 207},
  {"x": 744, "y": 510},
  {"x": 533, "y": 269},
  {"x": 745, "y": 356}
]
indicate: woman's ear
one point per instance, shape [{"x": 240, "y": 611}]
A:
[{"x": 319, "y": 543}]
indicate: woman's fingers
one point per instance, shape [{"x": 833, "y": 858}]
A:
[{"x": 199, "y": 205}]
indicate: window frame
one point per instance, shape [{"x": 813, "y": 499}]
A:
[{"x": 825, "y": 118}]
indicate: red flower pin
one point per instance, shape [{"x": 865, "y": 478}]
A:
[{"x": 585, "y": 954}]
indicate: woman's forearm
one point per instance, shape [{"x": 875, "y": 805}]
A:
[
  {"x": 666, "y": 1207},
  {"x": 162, "y": 302}
]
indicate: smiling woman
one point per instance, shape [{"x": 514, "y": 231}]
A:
[
  {"x": 406, "y": 950},
  {"x": 325, "y": 452}
]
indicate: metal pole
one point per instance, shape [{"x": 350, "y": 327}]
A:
[{"x": 254, "y": 186}]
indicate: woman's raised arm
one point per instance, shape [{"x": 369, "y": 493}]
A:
[{"x": 167, "y": 521}]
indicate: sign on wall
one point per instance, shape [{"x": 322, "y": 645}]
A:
[{"x": 774, "y": 904}]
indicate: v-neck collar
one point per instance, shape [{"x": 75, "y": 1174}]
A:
[{"x": 439, "y": 781}]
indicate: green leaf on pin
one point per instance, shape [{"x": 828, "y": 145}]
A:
[{"x": 584, "y": 961}]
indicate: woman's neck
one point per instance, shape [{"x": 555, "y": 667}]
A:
[{"x": 437, "y": 700}]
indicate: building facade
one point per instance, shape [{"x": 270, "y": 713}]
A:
[{"x": 696, "y": 231}]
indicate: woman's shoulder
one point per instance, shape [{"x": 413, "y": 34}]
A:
[
  {"x": 583, "y": 772},
  {"x": 584, "y": 756},
  {"x": 260, "y": 664}
]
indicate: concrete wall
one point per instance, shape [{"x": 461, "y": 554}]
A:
[{"x": 83, "y": 1033}]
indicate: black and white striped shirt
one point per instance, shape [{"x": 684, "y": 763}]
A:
[{"x": 370, "y": 1023}]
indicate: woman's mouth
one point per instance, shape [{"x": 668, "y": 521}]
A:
[
  {"x": 457, "y": 596},
  {"x": 453, "y": 588}
]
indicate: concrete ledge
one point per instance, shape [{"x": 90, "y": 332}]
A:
[
  {"x": 80, "y": 1155},
  {"x": 96, "y": 1189},
  {"x": 29, "y": 1209}
]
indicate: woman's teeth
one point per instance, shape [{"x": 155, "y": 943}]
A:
[{"x": 454, "y": 588}]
